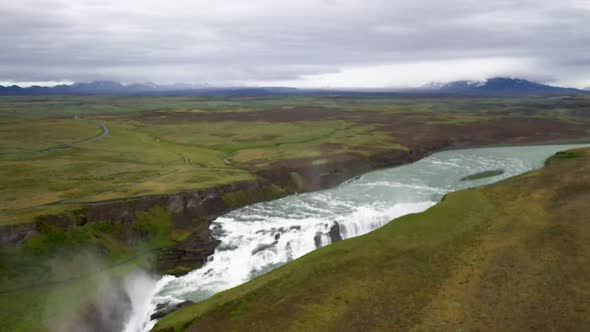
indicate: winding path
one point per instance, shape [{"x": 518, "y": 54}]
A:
[{"x": 105, "y": 131}]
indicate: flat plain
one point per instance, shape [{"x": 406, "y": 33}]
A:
[{"x": 168, "y": 144}]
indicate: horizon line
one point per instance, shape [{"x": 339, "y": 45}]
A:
[{"x": 205, "y": 86}]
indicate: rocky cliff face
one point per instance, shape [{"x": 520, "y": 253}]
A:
[
  {"x": 193, "y": 211},
  {"x": 311, "y": 174}
]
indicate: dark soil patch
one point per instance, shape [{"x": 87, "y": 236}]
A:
[
  {"x": 295, "y": 114},
  {"x": 405, "y": 128},
  {"x": 331, "y": 147},
  {"x": 502, "y": 131}
]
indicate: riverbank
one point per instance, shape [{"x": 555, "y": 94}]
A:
[{"x": 502, "y": 257}]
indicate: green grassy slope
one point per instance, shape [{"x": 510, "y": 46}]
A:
[
  {"x": 512, "y": 256},
  {"x": 55, "y": 276}
]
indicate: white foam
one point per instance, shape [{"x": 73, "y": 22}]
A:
[
  {"x": 367, "y": 218},
  {"x": 142, "y": 289}
]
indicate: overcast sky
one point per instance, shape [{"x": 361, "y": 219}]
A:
[{"x": 307, "y": 43}]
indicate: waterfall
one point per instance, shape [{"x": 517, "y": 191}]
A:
[{"x": 258, "y": 238}]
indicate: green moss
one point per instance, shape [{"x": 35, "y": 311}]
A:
[
  {"x": 50, "y": 239},
  {"x": 106, "y": 227},
  {"x": 104, "y": 238},
  {"x": 237, "y": 198},
  {"x": 155, "y": 224}
]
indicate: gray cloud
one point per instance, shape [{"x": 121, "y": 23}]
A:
[{"x": 234, "y": 42}]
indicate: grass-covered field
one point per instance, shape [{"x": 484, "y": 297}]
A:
[
  {"x": 168, "y": 144},
  {"x": 146, "y": 157},
  {"x": 507, "y": 257}
]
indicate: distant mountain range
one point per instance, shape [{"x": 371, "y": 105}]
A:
[
  {"x": 497, "y": 86},
  {"x": 120, "y": 89},
  {"x": 493, "y": 86},
  {"x": 96, "y": 88}
]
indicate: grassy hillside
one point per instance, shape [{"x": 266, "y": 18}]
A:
[{"x": 512, "y": 256}]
